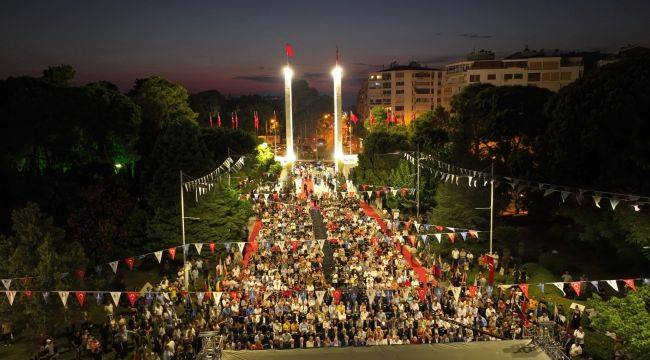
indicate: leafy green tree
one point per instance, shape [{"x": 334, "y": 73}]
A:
[
  {"x": 221, "y": 141},
  {"x": 39, "y": 249},
  {"x": 60, "y": 75},
  {"x": 428, "y": 132},
  {"x": 456, "y": 205},
  {"x": 628, "y": 318},
  {"x": 208, "y": 103},
  {"x": 162, "y": 104}
]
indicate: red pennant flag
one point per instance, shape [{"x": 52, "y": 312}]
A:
[
  {"x": 489, "y": 260},
  {"x": 294, "y": 245},
  {"x": 24, "y": 281},
  {"x": 439, "y": 228},
  {"x": 452, "y": 237},
  {"x": 232, "y": 120},
  {"x": 630, "y": 283},
  {"x": 212, "y": 246},
  {"x": 28, "y": 293},
  {"x": 405, "y": 191},
  {"x": 218, "y": 119},
  {"x": 422, "y": 293},
  {"x": 288, "y": 49},
  {"x": 378, "y": 193},
  {"x": 336, "y": 294},
  {"x": 473, "y": 233},
  {"x": 363, "y": 187},
  {"x": 472, "y": 290},
  {"x": 256, "y": 121},
  {"x": 236, "y": 121},
  {"x": 129, "y": 262},
  {"x": 80, "y": 273},
  {"x": 81, "y": 297},
  {"x": 372, "y": 119},
  {"x": 172, "y": 252},
  {"x": 133, "y": 297},
  {"x": 575, "y": 285},
  {"x": 183, "y": 293},
  {"x": 353, "y": 117},
  {"x": 524, "y": 289},
  {"x": 207, "y": 295},
  {"x": 210, "y": 120}
]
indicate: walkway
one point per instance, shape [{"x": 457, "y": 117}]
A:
[{"x": 408, "y": 257}]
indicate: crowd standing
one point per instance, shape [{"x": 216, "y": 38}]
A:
[{"x": 279, "y": 296}]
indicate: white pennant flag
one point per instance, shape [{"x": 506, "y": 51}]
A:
[
  {"x": 613, "y": 284},
  {"x": 456, "y": 291},
  {"x": 400, "y": 238},
  {"x": 198, "y": 247},
  {"x": 560, "y": 285},
  {"x": 394, "y": 191},
  {"x": 113, "y": 266},
  {"x": 64, "y": 297},
  {"x": 565, "y": 194},
  {"x": 281, "y": 244},
  {"x": 321, "y": 243},
  {"x": 255, "y": 195},
  {"x": 241, "y": 245},
  {"x": 6, "y": 283},
  {"x": 199, "y": 296},
  {"x": 417, "y": 226},
  {"x": 614, "y": 202},
  {"x": 11, "y": 295},
  {"x": 438, "y": 237},
  {"x": 217, "y": 297},
  {"x": 158, "y": 255},
  {"x": 597, "y": 200},
  {"x": 320, "y": 294},
  {"x": 369, "y": 193},
  {"x": 266, "y": 196},
  {"x": 267, "y": 294},
  {"x": 115, "y": 295}
]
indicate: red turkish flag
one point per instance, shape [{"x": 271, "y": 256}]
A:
[
  {"x": 28, "y": 293},
  {"x": 472, "y": 290},
  {"x": 233, "y": 295},
  {"x": 524, "y": 289},
  {"x": 372, "y": 119},
  {"x": 489, "y": 260},
  {"x": 129, "y": 262},
  {"x": 212, "y": 246},
  {"x": 288, "y": 49},
  {"x": 353, "y": 117},
  {"x": 439, "y": 228},
  {"x": 218, "y": 120},
  {"x": 81, "y": 297},
  {"x": 336, "y": 294},
  {"x": 422, "y": 293},
  {"x": 405, "y": 191},
  {"x": 575, "y": 285},
  {"x": 172, "y": 252},
  {"x": 256, "y": 121},
  {"x": 210, "y": 120},
  {"x": 630, "y": 283},
  {"x": 133, "y": 297}
]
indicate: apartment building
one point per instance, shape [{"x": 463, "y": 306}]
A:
[
  {"x": 406, "y": 90},
  {"x": 528, "y": 68}
]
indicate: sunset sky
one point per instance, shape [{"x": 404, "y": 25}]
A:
[{"x": 237, "y": 47}]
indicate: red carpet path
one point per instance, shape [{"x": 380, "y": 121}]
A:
[
  {"x": 252, "y": 244},
  {"x": 419, "y": 270}
]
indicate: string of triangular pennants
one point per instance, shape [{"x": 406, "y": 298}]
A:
[
  {"x": 453, "y": 174},
  {"x": 203, "y": 184},
  {"x": 130, "y": 261},
  {"x": 216, "y": 296}
]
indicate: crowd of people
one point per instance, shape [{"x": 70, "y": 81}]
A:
[{"x": 281, "y": 296}]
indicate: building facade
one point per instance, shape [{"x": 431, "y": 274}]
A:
[
  {"x": 526, "y": 68},
  {"x": 405, "y": 90}
]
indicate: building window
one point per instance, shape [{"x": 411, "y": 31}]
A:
[
  {"x": 519, "y": 76},
  {"x": 551, "y": 65},
  {"x": 535, "y": 65},
  {"x": 399, "y": 75},
  {"x": 551, "y": 76},
  {"x": 492, "y": 76},
  {"x": 386, "y": 76},
  {"x": 399, "y": 83},
  {"x": 421, "y": 100},
  {"x": 386, "y": 92},
  {"x": 386, "y": 101},
  {"x": 533, "y": 77},
  {"x": 474, "y": 78},
  {"x": 422, "y": 75},
  {"x": 507, "y": 77},
  {"x": 438, "y": 100},
  {"x": 566, "y": 76},
  {"x": 422, "y": 91},
  {"x": 399, "y": 91},
  {"x": 386, "y": 85},
  {"x": 399, "y": 108}
]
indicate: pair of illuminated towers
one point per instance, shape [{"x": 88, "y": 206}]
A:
[{"x": 337, "y": 74}]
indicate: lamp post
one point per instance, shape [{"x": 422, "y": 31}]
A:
[{"x": 337, "y": 74}]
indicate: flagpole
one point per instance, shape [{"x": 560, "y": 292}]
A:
[
  {"x": 185, "y": 274},
  {"x": 491, "y": 203}
]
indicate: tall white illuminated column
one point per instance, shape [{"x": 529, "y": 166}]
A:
[
  {"x": 337, "y": 74},
  {"x": 288, "y": 75}
]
